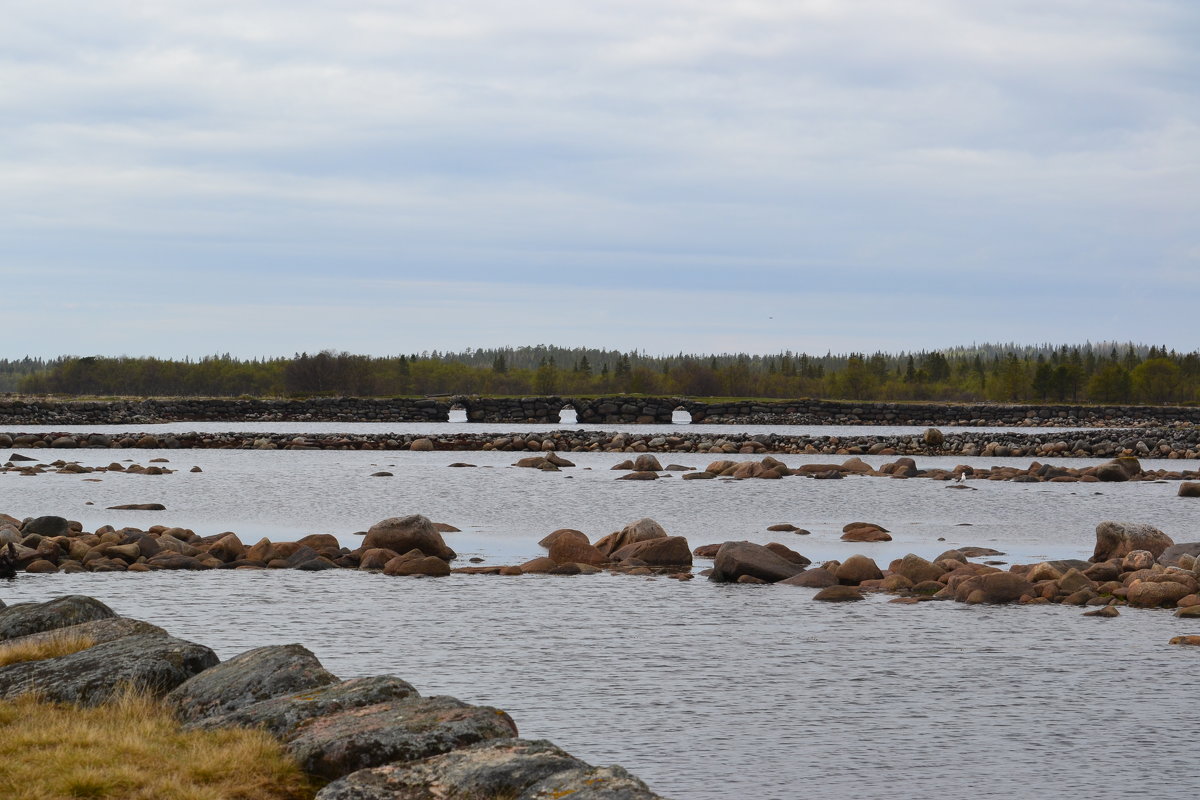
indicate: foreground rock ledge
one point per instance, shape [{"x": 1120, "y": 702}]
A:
[{"x": 375, "y": 738}]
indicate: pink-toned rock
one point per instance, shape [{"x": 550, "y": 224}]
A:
[
  {"x": 406, "y": 533},
  {"x": 376, "y": 558},
  {"x": 570, "y": 550},
  {"x": 658, "y": 552},
  {"x": 856, "y": 569},
  {"x": 639, "y": 531}
]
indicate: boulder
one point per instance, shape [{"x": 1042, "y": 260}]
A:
[
  {"x": 817, "y": 578},
  {"x": 426, "y": 565},
  {"x": 491, "y": 769},
  {"x": 228, "y": 548},
  {"x": 283, "y": 716},
  {"x": 1153, "y": 594},
  {"x": 866, "y": 534},
  {"x": 98, "y": 631},
  {"x": 788, "y": 553},
  {"x": 994, "y": 587},
  {"x": 916, "y": 569},
  {"x": 26, "y": 618},
  {"x": 647, "y": 463},
  {"x": 735, "y": 559},
  {"x": 150, "y": 662},
  {"x": 1115, "y": 539},
  {"x": 1136, "y": 560},
  {"x": 838, "y": 594},
  {"x": 595, "y": 783},
  {"x": 662, "y": 552},
  {"x": 407, "y": 533},
  {"x": 569, "y": 533},
  {"x": 1119, "y": 469},
  {"x": 1170, "y": 557},
  {"x": 575, "y": 549},
  {"x": 338, "y": 744},
  {"x": 247, "y": 678},
  {"x": 639, "y": 531},
  {"x": 1043, "y": 571},
  {"x": 856, "y": 569},
  {"x": 47, "y": 526}
]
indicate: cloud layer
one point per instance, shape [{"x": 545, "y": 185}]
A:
[{"x": 958, "y": 170}]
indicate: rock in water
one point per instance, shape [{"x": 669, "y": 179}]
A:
[
  {"x": 255, "y": 675},
  {"x": 639, "y": 531},
  {"x": 47, "y": 526},
  {"x": 1116, "y": 539},
  {"x": 735, "y": 559},
  {"x": 414, "y": 532}
]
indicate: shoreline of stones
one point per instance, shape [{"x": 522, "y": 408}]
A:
[
  {"x": 603, "y": 410},
  {"x": 1132, "y": 564},
  {"x": 1153, "y": 442},
  {"x": 371, "y": 738}
]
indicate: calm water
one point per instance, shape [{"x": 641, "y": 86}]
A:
[{"x": 705, "y": 691}]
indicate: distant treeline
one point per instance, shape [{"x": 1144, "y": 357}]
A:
[{"x": 1105, "y": 373}]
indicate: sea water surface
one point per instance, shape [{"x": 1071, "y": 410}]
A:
[{"x": 705, "y": 691}]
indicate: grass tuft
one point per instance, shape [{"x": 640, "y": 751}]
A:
[
  {"x": 134, "y": 749},
  {"x": 43, "y": 648}
]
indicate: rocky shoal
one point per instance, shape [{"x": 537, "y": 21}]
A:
[
  {"x": 1132, "y": 563},
  {"x": 374, "y": 738},
  {"x": 1181, "y": 442}
]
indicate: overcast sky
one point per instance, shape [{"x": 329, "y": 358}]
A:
[{"x": 382, "y": 176}]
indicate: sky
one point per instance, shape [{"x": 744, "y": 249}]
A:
[{"x": 264, "y": 177}]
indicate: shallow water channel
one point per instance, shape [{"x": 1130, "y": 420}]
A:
[{"x": 705, "y": 691}]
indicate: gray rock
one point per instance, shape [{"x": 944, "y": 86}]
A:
[
  {"x": 498, "y": 768},
  {"x": 47, "y": 526},
  {"x": 596, "y": 783},
  {"x": 61, "y": 612},
  {"x": 1170, "y": 556},
  {"x": 98, "y": 630},
  {"x": 255, "y": 675},
  {"x": 403, "y": 730},
  {"x": 151, "y": 662},
  {"x": 283, "y": 716}
]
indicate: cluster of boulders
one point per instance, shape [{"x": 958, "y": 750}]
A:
[
  {"x": 1133, "y": 564},
  {"x": 25, "y": 465},
  {"x": 372, "y": 738},
  {"x": 1172, "y": 443},
  {"x": 410, "y": 545},
  {"x": 1125, "y": 468}
]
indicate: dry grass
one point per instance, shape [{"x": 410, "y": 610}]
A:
[
  {"x": 134, "y": 749},
  {"x": 43, "y": 648}
]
